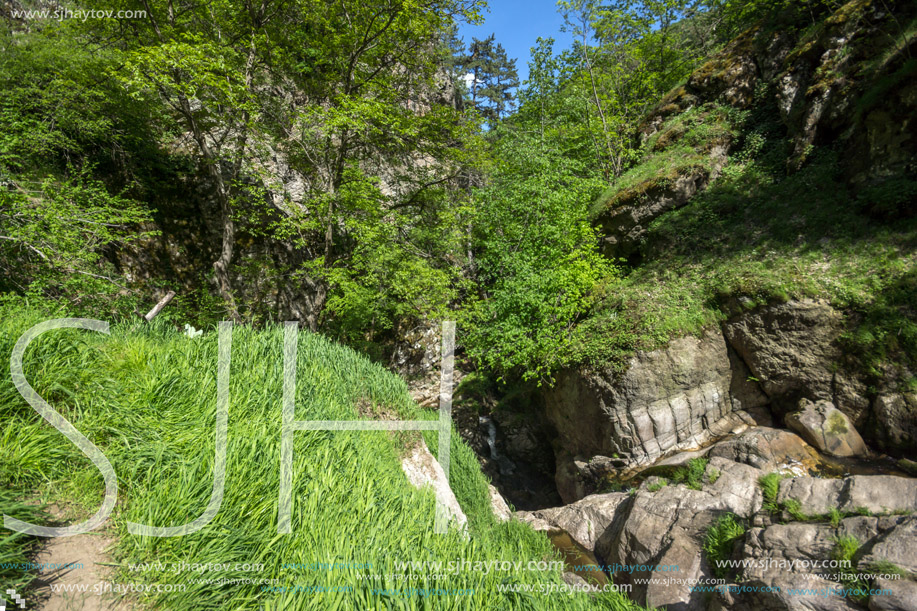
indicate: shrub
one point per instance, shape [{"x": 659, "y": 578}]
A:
[{"x": 720, "y": 540}]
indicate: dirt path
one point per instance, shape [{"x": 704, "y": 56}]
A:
[{"x": 82, "y": 586}]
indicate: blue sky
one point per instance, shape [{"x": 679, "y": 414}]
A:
[{"x": 517, "y": 23}]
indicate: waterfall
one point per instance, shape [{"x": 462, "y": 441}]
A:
[{"x": 491, "y": 435}]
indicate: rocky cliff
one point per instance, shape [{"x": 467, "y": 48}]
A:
[{"x": 770, "y": 230}]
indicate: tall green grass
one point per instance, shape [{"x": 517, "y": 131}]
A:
[{"x": 146, "y": 395}]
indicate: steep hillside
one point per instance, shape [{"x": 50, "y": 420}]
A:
[
  {"x": 776, "y": 196},
  {"x": 146, "y": 396},
  {"x": 769, "y": 240}
]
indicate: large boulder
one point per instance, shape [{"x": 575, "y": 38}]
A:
[
  {"x": 423, "y": 470},
  {"x": 769, "y": 450},
  {"x": 779, "y": 576},
  {"x": 626, "y": 217},
  {"x": 895, "y": 415},
  {"x": 585, "y": 520},
  {"x": 897, "y": 545},
  {"x": 668, "y": 526},
  {"x": 897, "y": 595},
  {"x": 826, "y": 428},
  {"x": 792, "y": 349}
]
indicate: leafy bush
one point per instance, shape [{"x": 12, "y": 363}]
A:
[{"x": 538, "y": 263}]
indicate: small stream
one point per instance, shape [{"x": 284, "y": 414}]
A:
[
  {"x": 833, "y": 466},
  {"x": 577, "y": 559}
]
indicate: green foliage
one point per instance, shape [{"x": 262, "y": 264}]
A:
[
  {"x": 888, "y": 331},
  {"x": 835, "y": 517},
  {"x": 794, "y": 508},
  {"x": 658, "y": 485},
  {"x": 770, "y": 487},
  {"x": 52, "y": 237},
  {"x": 758, "y": 236},
  {"x": 713, "y": 475},
  {"x": 884, "y": 566},
  {"x": 720, "y": 541},
  {"x": 626, "y": 55},
  {"x": 845, "y": 550},
  {"x": 17, "y": 548},
  {"x": 691, "y": 474},
  {"x": 145, "y": 394},
  {"x": 536, "y": 259}
]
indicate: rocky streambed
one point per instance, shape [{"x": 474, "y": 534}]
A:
[
  {"x": 757, "y": 458},
  {"x": 750, "y": 528},
  {"x": 759, "y": 443}
]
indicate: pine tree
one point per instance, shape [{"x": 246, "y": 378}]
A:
[{"x": 493, "y": 77}]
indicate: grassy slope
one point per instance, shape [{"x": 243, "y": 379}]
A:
[
  {"x": 763, "y": 236},
  {"x": 146, "y": 396}
]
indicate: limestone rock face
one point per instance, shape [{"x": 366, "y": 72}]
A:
[
  {"x": 498, "y": 505},
  {"x": 792, "y": 350},
  {"x": 827, "y": 428},
  {"x": 668, "y": 527},
  {"x": 625, "y": 221},
  {"x": 775, "y": 578},
  {"x": 769, "y": 450},
  {"x": 422, "y": 469},
  {"x": 903, "y": 595},
  {"x": 896, "y": 418},
  {"x": 672, "y": 399},
  {"x": 897, "y": 545},
  {"x": 875, "y": 493}
]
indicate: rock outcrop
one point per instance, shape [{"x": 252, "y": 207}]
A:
[
  {"x": 792, "y": 350},
  {"x": 667, "y": 527},
  {"x": 826, "y": 428},
  {"x": 422, "y": 469},
  {"x": 771, "y": 450},
  {"x": 788, "y": 566},
  {"x": 873, "y": 493},
  {"x": 668, "y": 400},
  {"x": 584, "y": 520},
  {"x": 627, "y": 216}
]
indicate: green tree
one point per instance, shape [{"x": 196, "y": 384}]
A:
[
  {"x": 345, "y": 98},
  {"x": 537, "y": 256},
  {"x": 492, "y": 77}
]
